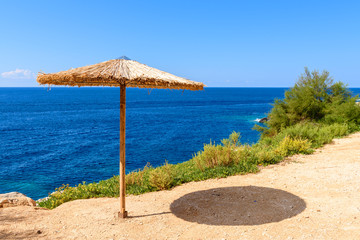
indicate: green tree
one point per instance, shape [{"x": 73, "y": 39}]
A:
[{"x": 316, "y": 98}]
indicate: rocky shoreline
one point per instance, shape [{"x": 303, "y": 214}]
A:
[{"x": 15, "y": 199}]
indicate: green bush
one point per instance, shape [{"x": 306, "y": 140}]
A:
[
  {"x": 65, "y": 193},
  {"x": 137, "y": 177},
  {"x": 233, "y": 140},
  {"x": 214, "y": 155},
  {"x": 317, "y": 134},
  {"x": 290, "y": 146},
  {"x": 161, "y": 178},
  {"x": 344, "y": 112},
  {"x": 228, "y": 153},
  {"x": 266, "y": 156}
]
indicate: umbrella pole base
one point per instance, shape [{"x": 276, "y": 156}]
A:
[{"x": 123, "y": 214}]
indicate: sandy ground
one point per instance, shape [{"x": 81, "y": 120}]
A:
[{"x": 305, "y": 197}]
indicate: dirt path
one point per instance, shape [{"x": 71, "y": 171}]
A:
[{"x": 307, "y": 197}]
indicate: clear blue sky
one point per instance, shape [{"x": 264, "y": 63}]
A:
[{"x": 221, "y": 43}]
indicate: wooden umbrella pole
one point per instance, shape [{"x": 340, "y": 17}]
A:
[{"x": 122, "y": 213}]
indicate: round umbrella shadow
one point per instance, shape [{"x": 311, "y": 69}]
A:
[{"x": 248, "y": 205}]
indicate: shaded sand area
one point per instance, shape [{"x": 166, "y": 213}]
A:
[{"x": 306, "y": 197}]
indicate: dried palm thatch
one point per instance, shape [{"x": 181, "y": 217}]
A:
[{"x": 118, "y": 72}]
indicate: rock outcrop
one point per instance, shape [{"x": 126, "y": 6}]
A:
[
  {"x": 14, "y": 199},
  {"x": 262, "y": 120}
]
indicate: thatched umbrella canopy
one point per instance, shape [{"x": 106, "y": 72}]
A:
[
  {"x": 116, "y": 72},
  {"x": 121, "y": 73}
]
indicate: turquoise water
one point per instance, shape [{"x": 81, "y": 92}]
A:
[{"x": 70, "y": 135}]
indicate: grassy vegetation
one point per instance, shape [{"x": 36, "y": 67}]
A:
[{"x": 297, "y": 126}]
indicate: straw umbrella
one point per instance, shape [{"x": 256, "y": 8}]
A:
[{"x": 122, "y": 73}]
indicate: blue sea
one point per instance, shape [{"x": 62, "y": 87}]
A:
[{"x": 50, "y": 137}]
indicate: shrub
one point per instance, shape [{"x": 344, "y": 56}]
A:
[
  {"x": 136, "y": 177},
  {"x": 344, "y": 112},
  {"x": 161, "y": 178},
  {"x": 65, "y": 193},
  {"x": 289, "y": 146},
  {"x": 233, "y": 140},
  {"x": 267, "y": 156},
  {"x": 316, "y": 133},
  {"x": 215, "y": 155},
  {"x": 219, "y": 155}
]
